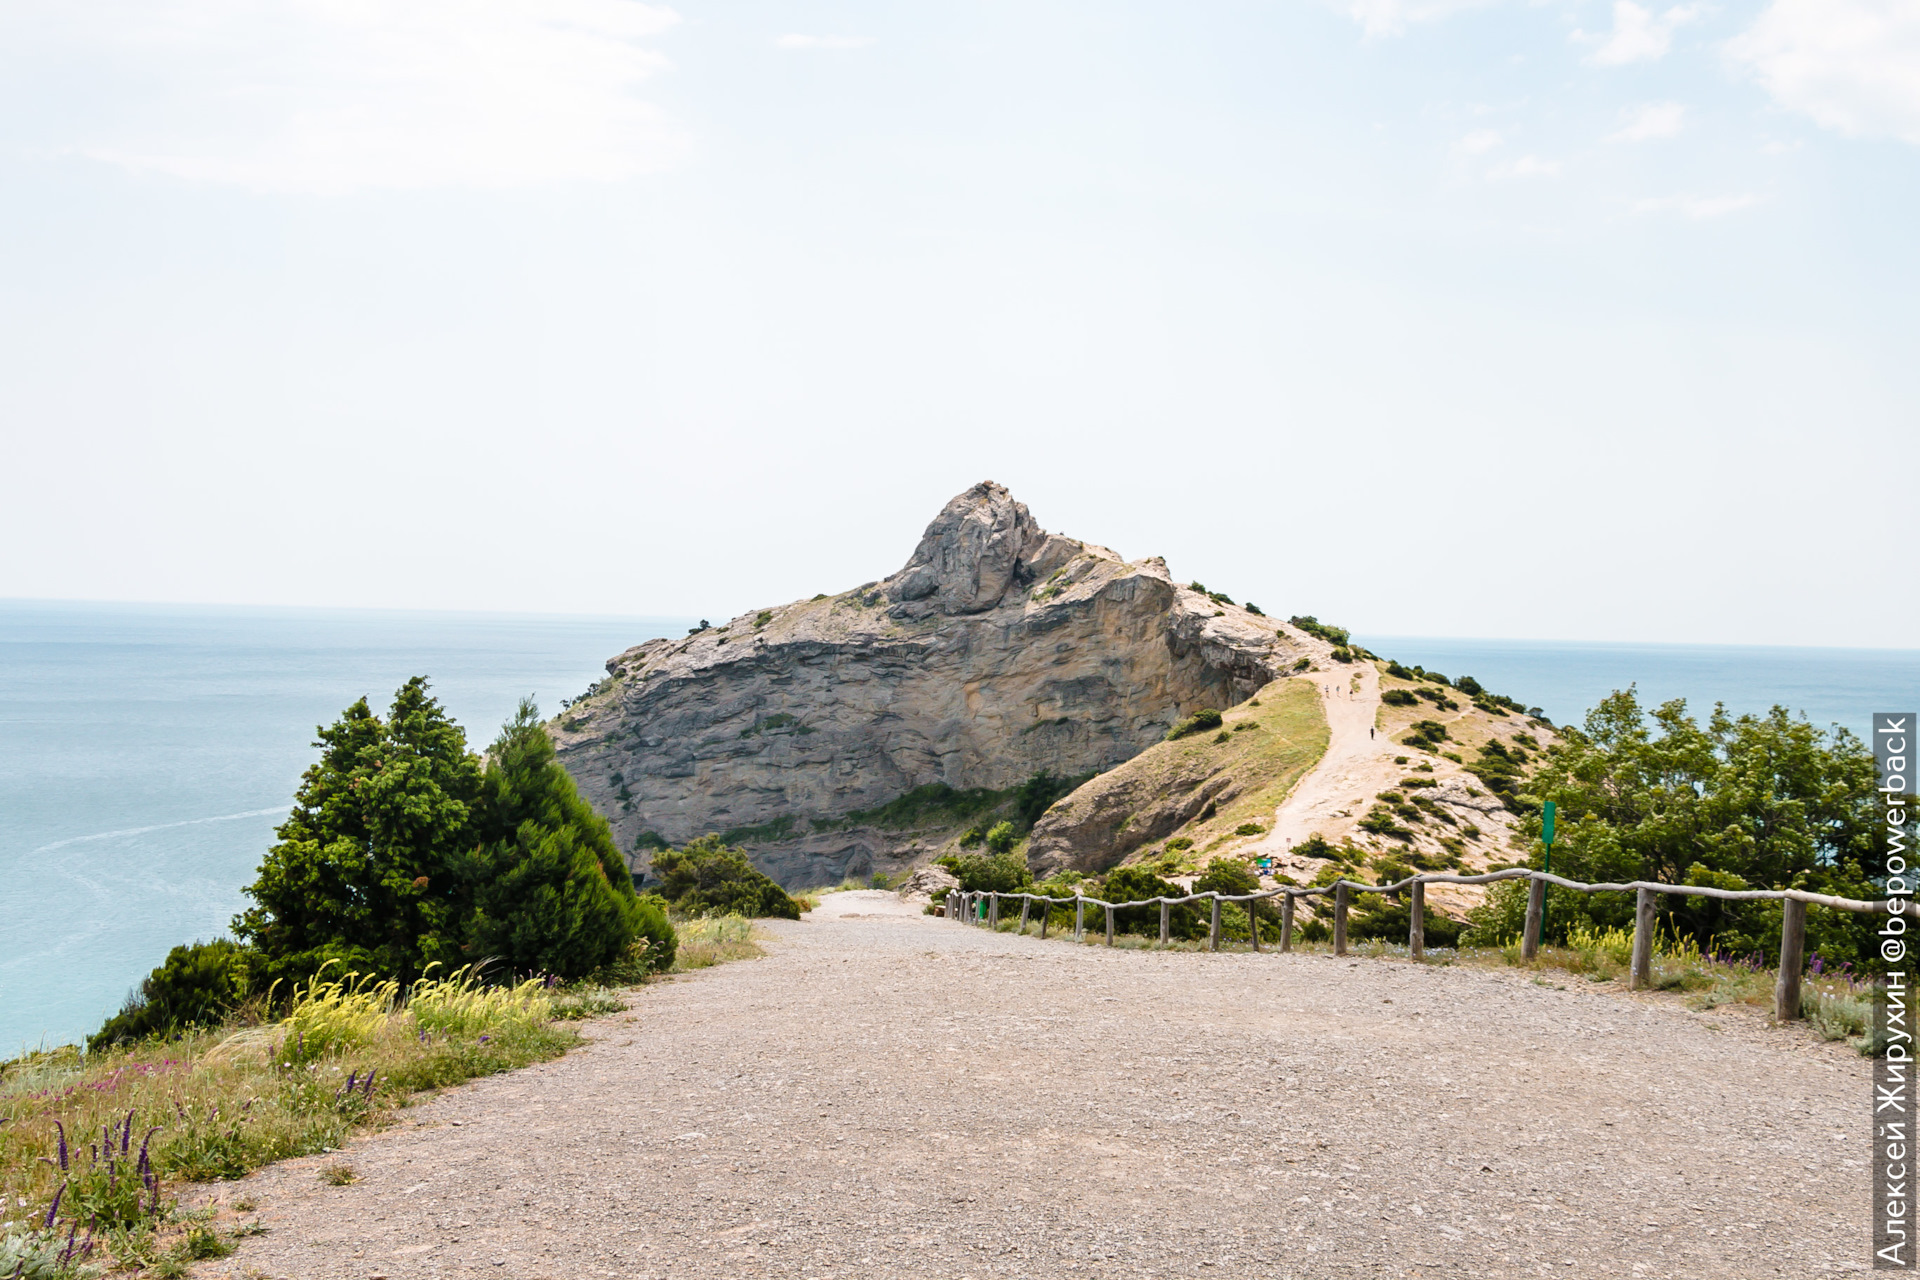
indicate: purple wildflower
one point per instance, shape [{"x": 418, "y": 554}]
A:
[
  {"x": 63, "y": 1145},
  {"x": 66, "y": 1254},
  {"x": 53, "y": 1210}
]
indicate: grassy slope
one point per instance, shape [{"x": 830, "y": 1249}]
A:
[{"x": 1165, "y": 790}]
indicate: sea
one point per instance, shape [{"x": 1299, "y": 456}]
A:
[{"x": 147, "y": 752}]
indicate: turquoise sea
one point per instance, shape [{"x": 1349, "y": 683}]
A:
[{"x": 147, "y": 751}]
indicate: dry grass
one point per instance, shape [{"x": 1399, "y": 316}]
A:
[
  {"x": 705, "y": 943},
  {"x": 104, "y": 1135},
  {"x": 1271, "y": 741}
]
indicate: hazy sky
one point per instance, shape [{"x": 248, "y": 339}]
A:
[{"x": 1580, "y": 320}]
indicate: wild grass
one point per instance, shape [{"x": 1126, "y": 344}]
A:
[
  {"x": 707, "y": 942},
  {"x": 90, "y": 1144}
]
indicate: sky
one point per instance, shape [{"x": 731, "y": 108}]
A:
[{"x": 1585, "y": 320}]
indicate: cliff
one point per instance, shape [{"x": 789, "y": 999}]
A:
[{"x": 996, "y": 652}]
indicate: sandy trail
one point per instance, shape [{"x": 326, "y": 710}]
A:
[
  {"x": 1356, "y": 767},
  {"x": 889, "y": 1094}
]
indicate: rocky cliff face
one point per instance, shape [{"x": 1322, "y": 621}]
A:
[{"x": 998, "y": 651}]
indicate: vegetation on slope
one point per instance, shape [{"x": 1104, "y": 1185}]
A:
[
  {"x": 1203, "y": 789},
  {"x": 404, "y": 853}
]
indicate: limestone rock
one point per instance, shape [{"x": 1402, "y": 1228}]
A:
[
  {"x": 997, "y": 651},
  {"x": 921, "y": 884}
]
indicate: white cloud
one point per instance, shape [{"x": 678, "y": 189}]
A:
[
  {"x": 1650, "y": 121},
  {"x": 796, "y": 41},
  {"x": 1639, "y": 34},
  {"x": 1526, "y": 167},
  {"x": 1853, "y": 65},
  {"x": 1698, "y": 207},
  {"x": 1478, "y": 142},
  {"x": 341, "y": 95},
  {"x": 1392, "y": 17}
]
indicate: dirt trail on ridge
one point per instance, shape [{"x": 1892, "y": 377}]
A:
[{"x": 890, "y": 1094}]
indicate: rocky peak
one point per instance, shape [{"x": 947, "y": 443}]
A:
[
  {"x": 981, "y": 544},
  {"x": 998, "y": 651}
]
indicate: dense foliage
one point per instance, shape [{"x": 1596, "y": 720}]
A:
[
  {"x": 1739, "y": 802},
  {"x": 709, "y": 878},
  {"x": 989, "y": 873},
  {"x": 198, "y": 986},
  {"x": 1131, "y": 884},
  {"x": 546, "y": 888}
]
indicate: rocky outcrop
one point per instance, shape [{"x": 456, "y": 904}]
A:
[{"x": 996, "y": 652}]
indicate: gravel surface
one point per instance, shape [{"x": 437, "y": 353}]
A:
[{"x": 886, "y": 1093}]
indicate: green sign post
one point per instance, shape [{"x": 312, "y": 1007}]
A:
[{"x": 1546, "y": 836}]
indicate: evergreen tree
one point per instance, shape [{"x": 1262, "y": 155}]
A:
[
  {"x": 366, "y": 870},
  {"x": 550, "y": 892},
  {"x": 709, "y": 878}
]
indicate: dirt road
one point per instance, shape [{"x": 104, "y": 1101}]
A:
[{"x": 888, "y": 1094}]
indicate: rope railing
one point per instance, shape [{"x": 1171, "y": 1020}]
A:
[{"x": 983, "y": 908}]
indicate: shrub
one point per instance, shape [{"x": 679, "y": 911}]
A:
[
  {"x": 1255, "y": 610},
  {"x": 1001, "y": 837},
  {"x": 1037, "y": 794},
  {"x": 708, "y": 878},
  {"x": 989, "y": 873},
  {"x": 762, "y": 618},
  {"x": 972, "y": 838},
  {"x": 1303, "y": 664},
  {"x": 1249, "y": 829},
  {"x": 1314, "y": 627},
  {"x": 1199, "y": 722},
  {"x": 1399, "y": 698},
  {"x": 1131, "y": 884},
  {"x": 1399, "y": 672},
  {"x": 1222, "y": 736},
  {"x": 1341, "y": 654},
  {"x": 1438, "y": 698},
  {"x": 197, "y": 986},
  {"x": 1178, "y": 843},
  {"x": 1426, "y": 734}
]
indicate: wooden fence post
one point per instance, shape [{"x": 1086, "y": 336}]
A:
[
  {"x": 1417, "y": 921},
  {"x": 1286, "y": 922},
  {"x": 1213, "y": 939},
  {"x": 1642, "y": 973},
  {"x": 1253, "y": 921},
  {"x": 1340, "y": 919},
  {"x": 1530, "y": 932},
  {"x": 1079, "y": 918},
  {"x": 1793, "y": 954},
  {"x": 1109, "y": 926},
  {"x": 993, "y": 912},
  {"x": 1026, "y": 906},
  {"x": 1165, "y": 928},
  {"x": 1046, "y": 914}
]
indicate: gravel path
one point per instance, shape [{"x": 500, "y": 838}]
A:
[{"x": 889, "y": 1094}]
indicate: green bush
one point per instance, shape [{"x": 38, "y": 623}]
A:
[
  {"x": 1314, "y": 627},
  {"x": 1255, "y": 610},
  {"x": 197, "y": 986},
  {"x": 1303, "y": 664},
  {"x": 707, "y": 878},
  {"x": 989, "y": 873},
  {"x": 1426, "y": 734},
  {"x": 1129, "y": 884},
  {"x": 1249, "y": 829},
  {"x": 1001, "y": 837},
  {"x": 1399, "y": 698},
  {"x": 1199, "y": 722}
]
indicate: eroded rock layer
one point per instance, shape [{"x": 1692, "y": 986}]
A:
[{"x": 998, "y": 651}]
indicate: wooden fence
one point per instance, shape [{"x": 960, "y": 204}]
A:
[{"x": 984, "y": 908}]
